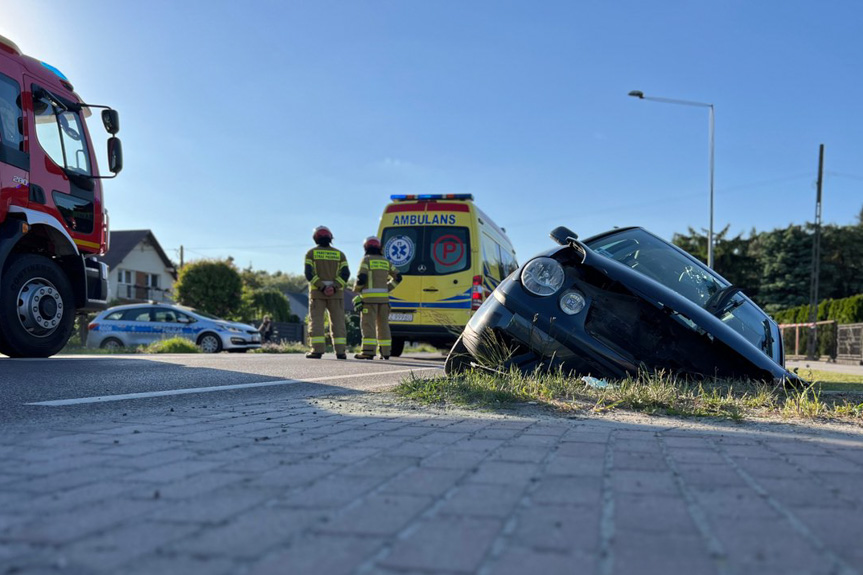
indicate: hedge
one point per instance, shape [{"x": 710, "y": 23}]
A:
[{"x": 845, "y": 310}]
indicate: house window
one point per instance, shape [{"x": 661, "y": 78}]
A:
[
  {"x": 124, "y": 277},
  {"x": 153, "y": 281}
]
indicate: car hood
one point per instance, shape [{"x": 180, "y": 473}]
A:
[
  {"x": 235, "y": 325},
  {"x": 665, "y": 298}
]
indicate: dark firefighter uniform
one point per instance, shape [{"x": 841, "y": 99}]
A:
[
  {"x": 327, "y": 271},
  {"x": 375, "y": 279}
]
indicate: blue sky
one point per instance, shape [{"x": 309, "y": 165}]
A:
[{"x": 247, "y": 124}]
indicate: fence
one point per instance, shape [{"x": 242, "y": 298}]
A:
[
  {"x": 849, "y": 346},
  {"x": 843, "y": 343},
  {"x": 796, "y": 338},
  {"x": 288, "y": 331}
]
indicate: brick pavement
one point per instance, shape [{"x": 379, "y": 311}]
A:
[{"x": 355, "y": 485}]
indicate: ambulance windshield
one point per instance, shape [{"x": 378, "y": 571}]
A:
[{"x": 427, "y": 250}]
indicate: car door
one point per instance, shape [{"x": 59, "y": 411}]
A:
[
  {"x": 137, "y": 327},
  {"x": 186, "y": 326},
  {"x": 165, "y": 323}
]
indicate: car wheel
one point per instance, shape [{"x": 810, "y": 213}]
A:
[
  {"x": 398, "y": 347},
  {"x": 37, "y": 301},
  {"x": 210, "y": 343},
  {"x": 459, "y": 359},
  {"x": 112, "y": 344}
]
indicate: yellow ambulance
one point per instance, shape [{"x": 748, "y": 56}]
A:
[{"x": 451, "y": 257}]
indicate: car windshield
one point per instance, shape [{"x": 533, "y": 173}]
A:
[
  {"x": 658, "y": 260},
  {"x": 206, "y": 315}
]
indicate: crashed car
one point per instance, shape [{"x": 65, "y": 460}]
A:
[{"x": 616, "y": 304}]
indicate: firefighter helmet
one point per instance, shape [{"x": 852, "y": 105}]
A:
[
  {"x": 372, "y": 242},
  {"x": 322, "y": 233}
]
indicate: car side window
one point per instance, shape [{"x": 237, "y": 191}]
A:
[
  {"x": 165, "y": 315},
  {"x": 114, "y": 316},
  {"x": 183, "y": 318},
  {"x": 137, "y": 314}
]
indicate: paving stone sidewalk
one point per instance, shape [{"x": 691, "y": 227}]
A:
[{"x": 351, "y": 485}]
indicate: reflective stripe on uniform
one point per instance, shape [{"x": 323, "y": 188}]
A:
[
  {"x": 376, "y": 290},
  {"x": 340, "y": 340},
  {"x": 379, "y": 264},
  {"x": 342, "y": 282},
  {"x": 321, "y": 339},
  {"x": 370, "y": 341},
  {"x": 385, "y": 342}
]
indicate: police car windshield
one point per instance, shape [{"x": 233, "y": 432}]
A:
[
  {"x": 427, "y": 250},
  {"x": 205, "y": 314}
]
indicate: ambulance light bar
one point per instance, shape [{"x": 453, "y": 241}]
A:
[{"x": 414, "y": 197}]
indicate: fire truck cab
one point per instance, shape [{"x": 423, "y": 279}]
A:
[{"x": 52, "y": 217}]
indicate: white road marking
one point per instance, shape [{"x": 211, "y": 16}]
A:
[{"x": 169, "y": 392}]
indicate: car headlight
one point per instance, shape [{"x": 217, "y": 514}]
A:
[
  {"x": 542, "y": 276},
  {"x": 572, "y": 302},
  {"x": 232, "y": 329}
]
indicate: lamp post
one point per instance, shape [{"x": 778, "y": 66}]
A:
[{"x": 640, "y": 95}]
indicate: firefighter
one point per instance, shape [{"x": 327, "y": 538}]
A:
[
  {"x": 376, "y": 278},
  {"x": 328, "y": 273}
]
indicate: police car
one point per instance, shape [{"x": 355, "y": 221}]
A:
[{"x": 128, "y": 326}]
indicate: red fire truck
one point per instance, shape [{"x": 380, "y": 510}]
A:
[{"x": 52, "y": 218}]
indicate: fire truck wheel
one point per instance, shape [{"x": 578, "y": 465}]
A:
[
  {"x": 210, "y": 343},
  {"x": 37, "y": 303}
]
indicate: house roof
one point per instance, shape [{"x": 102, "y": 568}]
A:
[{"x": 122, "y": 242}]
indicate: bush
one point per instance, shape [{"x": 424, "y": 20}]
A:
[
  {"x": 171, "y": 345},
  {"x": 843, "y": 311}
]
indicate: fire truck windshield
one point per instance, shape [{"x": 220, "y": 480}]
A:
[{"x": 61, "y": 134}]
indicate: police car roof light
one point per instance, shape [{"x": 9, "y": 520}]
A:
[{"x": 414, "y": 197}]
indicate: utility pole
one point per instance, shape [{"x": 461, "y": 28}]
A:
[
  {"x": 816, "y": 262},
  {"x": 181, "y": 257}
]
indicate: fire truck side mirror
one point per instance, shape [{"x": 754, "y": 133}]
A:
[
  {"x": 115, "y": 155},
  {"x": 111, "y": 120}
]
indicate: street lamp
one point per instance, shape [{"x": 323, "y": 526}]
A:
[{"x": 640, "y": 95}]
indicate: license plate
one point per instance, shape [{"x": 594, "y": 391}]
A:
[{"x": 394, "y": 316}]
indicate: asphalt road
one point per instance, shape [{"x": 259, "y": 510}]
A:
[{"x": 69, "y": 387}]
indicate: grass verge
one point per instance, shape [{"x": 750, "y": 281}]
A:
[
  {"x": 284, "y": 347},
  {"x": 656, "y": 394},
  {"x": 171, "y": 345}
]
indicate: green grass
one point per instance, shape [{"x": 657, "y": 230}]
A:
[
  {"x": 284, "y": 347},
  {"x": 833, "y": 381},
  {"x": 171, "y": 345},
  {"x": 656, "y": 394}
]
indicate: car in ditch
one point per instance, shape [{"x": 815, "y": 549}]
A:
[
  {"x": 616, "y": 304},
  {"x": 132, "y": 325}
]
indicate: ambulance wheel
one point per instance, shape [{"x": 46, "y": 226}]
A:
[
  {"x": 38, "y": 307},
  {"x": 398, "y": 347}
]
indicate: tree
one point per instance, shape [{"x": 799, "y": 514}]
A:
[
  {"x": 213, "y": 286},
  {"x": 260, "y": 302},
  {"x": 785, "y": 258}
]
